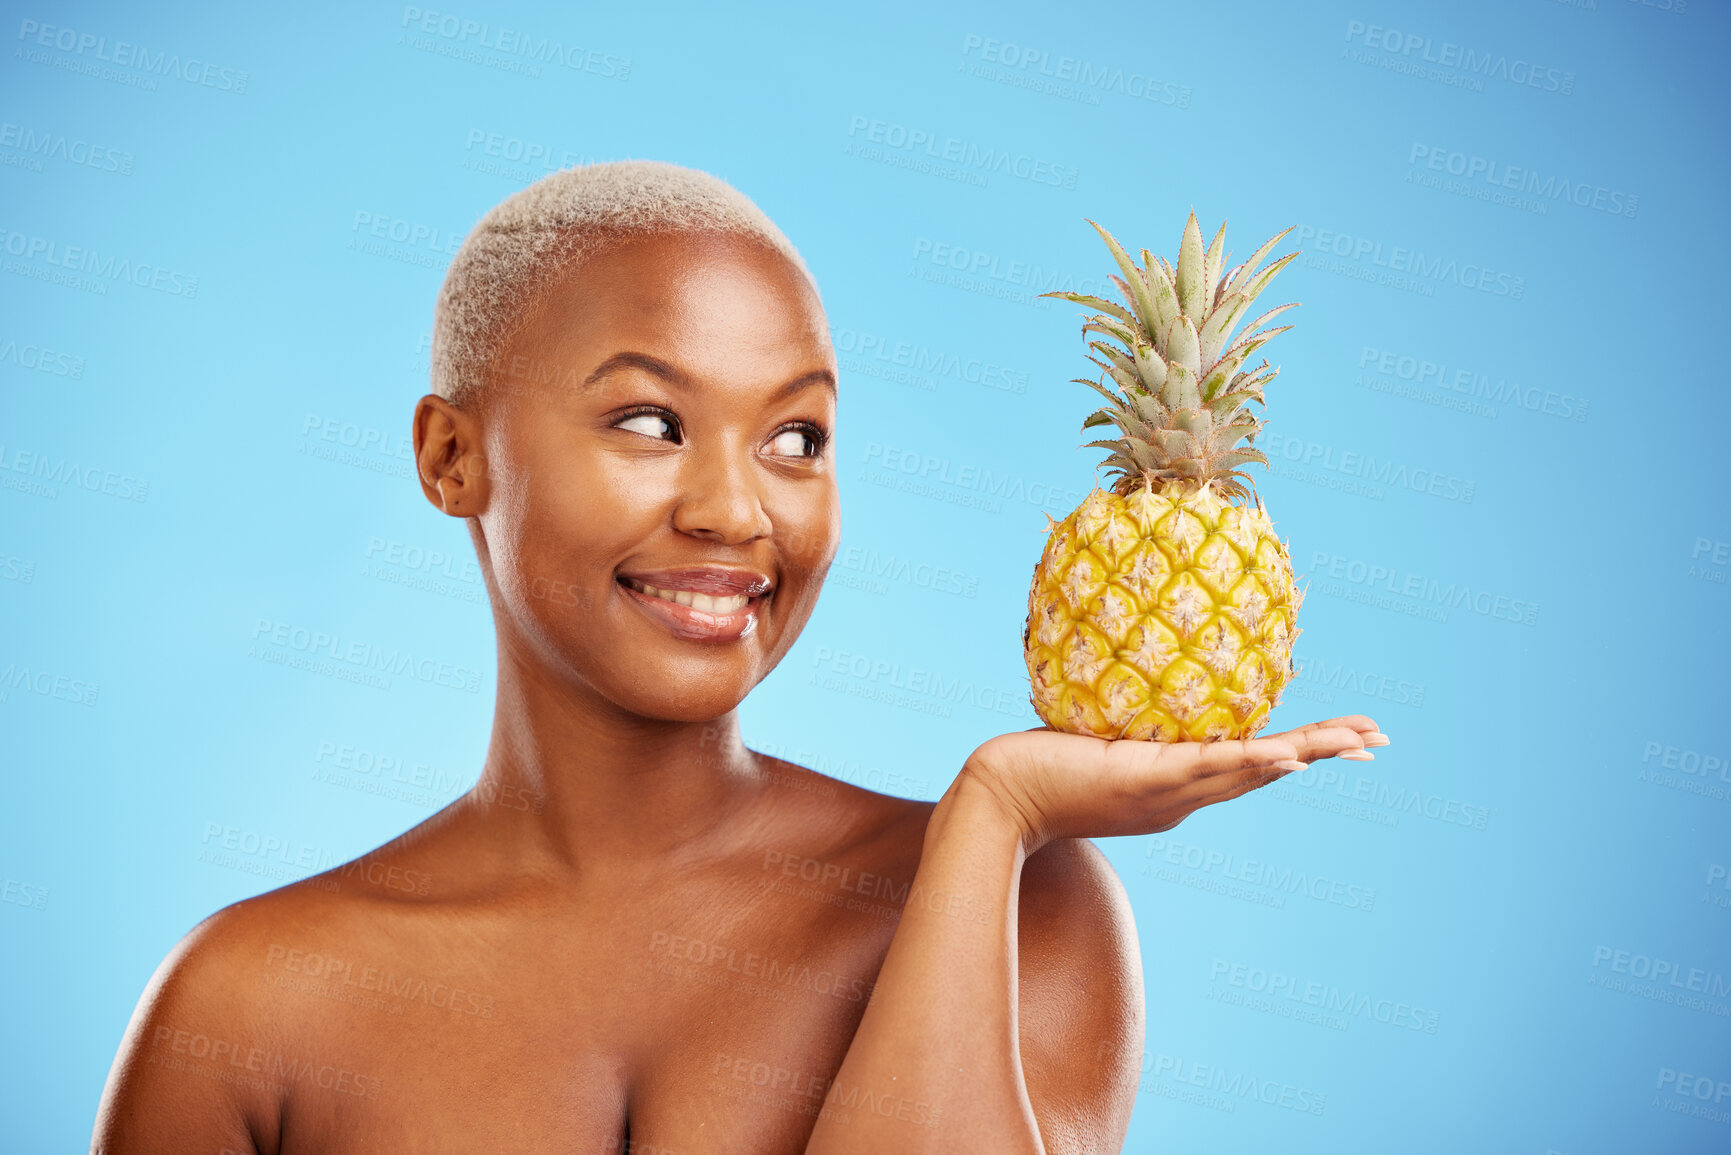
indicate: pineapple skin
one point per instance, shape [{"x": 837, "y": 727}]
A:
[{"x": 1165, "y": 614}]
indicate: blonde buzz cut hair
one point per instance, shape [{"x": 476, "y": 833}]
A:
[{"x": 494, "y": 282}]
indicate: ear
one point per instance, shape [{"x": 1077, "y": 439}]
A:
[{"x": 448, "y": 457}]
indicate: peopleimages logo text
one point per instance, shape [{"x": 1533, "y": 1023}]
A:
[
  {"x": 1256, "y": 872},
  {"x": 1695, "y": 980},
  {"x": 1331, "y": 998},
  {"x": 364, "y": 655},
  {"x": 923, "y": 359},
  {"x": 65, "y": 471},
  {"x": 1501, "y": 391},
  {"x": 41, "y": 358},
  {"x": 992, "y": 266},
  {"x": 86, "y": 260},
  {"x": 1070, "y": 70},
  {"x": 1281, "y": 449},
  {"x": 1412, "y": 262},
  {"x": 1487, "y": 65},
  {"x": 1503, "y": 175},
  {"x": 50, "y": 145},
  {"x": 1404, "y": 583},
  {"x": 1006, "y": 487},
  {"x": 515, "y": 42},
  {"x": 124, "y": 55},
  {"x": 1003, "y": 161}
]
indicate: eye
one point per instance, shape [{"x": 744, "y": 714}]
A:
[
  {"x": 797, "y": 441},
  {"x": 656, "y": 423}
]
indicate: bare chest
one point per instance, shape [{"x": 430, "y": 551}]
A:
[{"x": 658, "y": 1034}]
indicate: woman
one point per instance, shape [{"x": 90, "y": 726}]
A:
[{"x": 635, "y": 934}]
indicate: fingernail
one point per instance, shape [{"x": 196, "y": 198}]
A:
[
  {"x": 1375, "y": 738},
  {"x": 1292, "y": 764},
  {"x": 1357, "y": 755}
]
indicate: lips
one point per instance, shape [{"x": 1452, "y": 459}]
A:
[
  {"x": 705, "y": 580},
  {"x": 701, "y": 604}
]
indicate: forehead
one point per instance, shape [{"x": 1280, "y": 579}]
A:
[{"x": 721, "y": 300}]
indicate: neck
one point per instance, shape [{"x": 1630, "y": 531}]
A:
[{"x": 572, "y": 781}]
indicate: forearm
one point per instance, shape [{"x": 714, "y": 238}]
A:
[{"x": 935, "y": 1063}]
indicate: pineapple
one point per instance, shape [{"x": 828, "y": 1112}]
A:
[{"x": 1164, "y": 608}]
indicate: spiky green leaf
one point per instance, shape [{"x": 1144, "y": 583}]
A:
[
  {"x": 1216, "y": 380},
  {"x": 1133, "y": 286},
  {"x": 1223, "y": 408},
  {"x": 1180, "y": 346},
  {"x": 1098, "y": 304},
  {"x": 1114, "y": 398},
  {"x": 1151, "y": 410},
  {"x": 1198, "y": 422},
  {"x": 1177, "y": 443},
  {"x": 1211, "y": 265},
  {"x": 1123, "y": 368},
  {"x": 1151, "y": 366},
  {"x": 1240, "y": 457},
  {"x": 1112, "y": 328},
  {"x": 1181, "y": 390},
  {"x": 1243, "y": 272},
  {"x": 1192, "y": 293},
  {"x": 1218, "y": 328},
  {"x": 1256, "y": 325},
  {"x": 1254, "y": 286},
  {"x": 1159, "y": 280}
]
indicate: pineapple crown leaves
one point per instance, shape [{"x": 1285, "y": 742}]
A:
[{"x": 1184, "y": 387}]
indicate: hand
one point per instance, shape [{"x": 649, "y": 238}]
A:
[{"x": 1054, "y": 785}]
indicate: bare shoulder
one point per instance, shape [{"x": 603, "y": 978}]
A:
[
  {"x": 849, "y": 817},
  {"x": 1079, "y": 997},
  {"x": 193, "y": 1069},
  {"x": 802, "y": 779},
  {"x": 222, "y": 1034}
]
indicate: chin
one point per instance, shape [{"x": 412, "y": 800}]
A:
[
  {"x": 681, "y": 691},
  {"x": 685, "y": 708}
]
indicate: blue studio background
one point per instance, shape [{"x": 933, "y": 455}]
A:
[{"x": 1495, "y": 454}]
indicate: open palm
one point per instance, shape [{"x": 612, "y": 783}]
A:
[{"x": 1072, "y": 786}]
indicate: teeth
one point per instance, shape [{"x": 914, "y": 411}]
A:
[{"x": 704, "y": 602}]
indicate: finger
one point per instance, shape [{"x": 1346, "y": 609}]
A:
[
  {"x": 1217, "y": 758},
  {"x": 1166, "y": 775},
  {"x": 1358, "y": 722},
  {"x": 1173, "y": 765},
  {"x": 1329, "y": 742},
  {"x": 1243, "y": 781},
  {"x": 1207, "y": 791},
  {"x": 1210, "y": 791}
]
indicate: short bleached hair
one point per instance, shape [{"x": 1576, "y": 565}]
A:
[{"x": 494, "y": 282}]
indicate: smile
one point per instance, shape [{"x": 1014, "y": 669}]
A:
[
  {"x": 700, "y": 605},
  {"x": 708, "y": 603}
]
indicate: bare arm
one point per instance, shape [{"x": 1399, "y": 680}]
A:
[
  {"x": 937, "y": 1062},
  {"x": 939, "y": 1038}
]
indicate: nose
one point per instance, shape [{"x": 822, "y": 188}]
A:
[{"x": 721, "y": 501}]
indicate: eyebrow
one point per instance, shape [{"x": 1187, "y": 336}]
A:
[
  {"x": 656, "y": 367},
  {"x": 805, "y": 381}
]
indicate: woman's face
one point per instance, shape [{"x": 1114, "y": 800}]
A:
[{"x": 662, "y": 506}]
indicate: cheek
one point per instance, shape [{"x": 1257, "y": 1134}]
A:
[
  {"x": 808, "y": 529},
  {"x": 577, "y": 521},
  {"x": 557, "y": 520}
]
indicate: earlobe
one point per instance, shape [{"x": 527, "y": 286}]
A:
[
  {"x": 453, "y": 476},
  {"x": 450, "y": 497}
]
